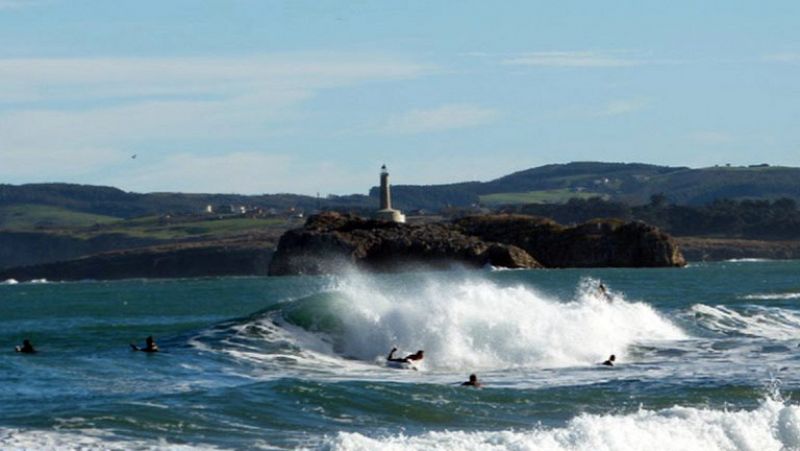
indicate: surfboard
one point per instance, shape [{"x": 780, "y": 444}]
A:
[{"x": 402, "y": 365}]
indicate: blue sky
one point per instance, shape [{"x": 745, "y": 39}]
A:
[{"x": 313, "y": 96}]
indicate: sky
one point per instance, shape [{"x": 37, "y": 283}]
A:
[{"x": 239, "y": 96}]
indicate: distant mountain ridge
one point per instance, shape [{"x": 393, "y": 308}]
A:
[{"x": 633, "y": 183}]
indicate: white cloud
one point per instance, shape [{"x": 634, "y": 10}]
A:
[
  {"x": 445, "y": 117},
  {"x": 573, "y": 59},
  {"x": 93, "y": 108}
]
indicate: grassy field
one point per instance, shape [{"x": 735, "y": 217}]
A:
[
  {"x": 535, "y": 197},
  {"x": 28, "y": 217},
  {"x": 180, "y": 228},
  {"x": 84, "y": 225}
]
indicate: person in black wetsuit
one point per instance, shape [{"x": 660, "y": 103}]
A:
[
  {"x": 26, "y": 348},
  {"x": 150, "y": 345},
  {"x": 472, "y": 382},
  {"x": 411, "y": 358},
  {"x": 611, "y": 359}
]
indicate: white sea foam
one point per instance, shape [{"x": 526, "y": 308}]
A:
[
  {"x": 83, "y": 439},
  {"x": 9, "y": 282},
  {"x": 772, "y": 426},
  {"x": 772, "y": 296},
  {"x": 472, "y": 322},
  {"x": 748, "y": 260},
  {"x": 758, "y": 321}
]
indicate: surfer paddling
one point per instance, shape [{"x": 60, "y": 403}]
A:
[
  {"x": 26, "y": 348},
  {"x": 411, "y": 358},
  {"x": 472, "y": 382},
  {"x": 150, "y": 345},
  {"x": 611, "y": 359}
]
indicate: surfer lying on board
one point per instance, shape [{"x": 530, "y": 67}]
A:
[
  {"x": 150, "y": 345},
  {"x": 26, "y": 348},
  {"x": 411, "y": 358}
]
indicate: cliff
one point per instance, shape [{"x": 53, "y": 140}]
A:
[{"x": 330, "y": 242}]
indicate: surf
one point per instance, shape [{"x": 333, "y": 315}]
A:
[
  {"x": 463, "y": 321},
  {"x": 774, "y": 425}
]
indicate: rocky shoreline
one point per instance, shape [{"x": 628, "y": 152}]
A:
[{"x": 332, "y": 242}]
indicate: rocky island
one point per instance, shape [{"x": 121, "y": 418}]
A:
[{"x": 331, "y": 242}]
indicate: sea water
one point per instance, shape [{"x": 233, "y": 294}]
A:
[{"x": 707, "y": 358}]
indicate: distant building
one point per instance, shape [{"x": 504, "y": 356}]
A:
[{"x": 386, "y": 212}]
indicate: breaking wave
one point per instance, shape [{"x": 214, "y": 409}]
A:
[{"x": 466, "y": 322}]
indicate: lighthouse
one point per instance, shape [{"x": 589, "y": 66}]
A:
[{"x": 386, "y": 212}]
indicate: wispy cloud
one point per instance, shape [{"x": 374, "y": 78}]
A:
[
  {"x": 249, "y": 171},
  {"x": 445, "y": 117},
  {"x": 784, "y": 57},
  {"x": 16, "y": 4},
  {"x": 69, "y": 116},
  {"x": 712, "y": 137},
  {"x": 587, "y": 59},
  {"x": 619, "y": 107}
]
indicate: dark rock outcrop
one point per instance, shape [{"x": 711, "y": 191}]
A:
[
  {"x": 332, "y": 242},
  {"x": 598, "y": 243}
]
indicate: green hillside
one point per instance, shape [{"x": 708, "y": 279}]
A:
[
  {"x": 555, "y": 196},
  {"x": 30, "y": 216}
]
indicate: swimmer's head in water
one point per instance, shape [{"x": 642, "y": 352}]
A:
[
  {"x": 612, "y": 358},
  {"x": 473, "y": 378}
]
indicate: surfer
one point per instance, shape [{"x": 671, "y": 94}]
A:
[
  {"x": 150, "y": 345},
  {"x": 610, "y": 361},
  {"x": 411, "y": 358},
  {"x": 26, "y": 348},
  {"x": 472, "y": 382},
  {"x": 604, "y": 292}
]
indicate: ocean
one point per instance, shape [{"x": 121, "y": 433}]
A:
[{"x": 707, "y": 359}]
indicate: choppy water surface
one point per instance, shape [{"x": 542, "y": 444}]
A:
[{"x": 708, "y": 358}]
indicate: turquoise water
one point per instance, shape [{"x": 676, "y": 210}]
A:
[{"x": 707, "y": 359}]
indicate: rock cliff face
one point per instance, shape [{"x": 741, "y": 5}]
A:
[
  {"x": 330, "y": 242},
  {"x": 601, "y": 243}
]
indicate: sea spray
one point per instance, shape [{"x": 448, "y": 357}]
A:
[
  {"x": 469, "y": 322},
  {"x": 772, "y": 426}
]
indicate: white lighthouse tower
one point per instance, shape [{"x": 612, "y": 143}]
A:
[{"x": 386, "y": 212}]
